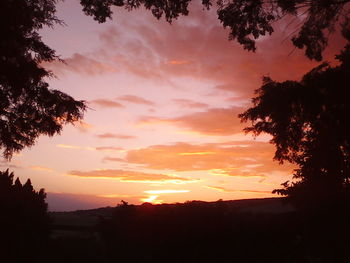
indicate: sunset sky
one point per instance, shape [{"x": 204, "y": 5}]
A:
[{"x": 163, "y": 100}]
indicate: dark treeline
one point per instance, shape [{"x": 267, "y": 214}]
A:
[
  {"x": 211, "y": 232},
  {"x": 260, "y": 230}
]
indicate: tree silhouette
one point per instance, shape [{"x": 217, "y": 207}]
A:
[
  {"x": 24, "y": 221},
  {"x": 28, "y": 108},
  {"x": 309, "y": 124},
  {"x": 247, "y": 19}
]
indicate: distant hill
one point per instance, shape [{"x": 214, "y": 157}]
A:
[{"x": 89, "y": 217}]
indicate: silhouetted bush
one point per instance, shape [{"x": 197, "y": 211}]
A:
[{"x": 24, "y": 221}]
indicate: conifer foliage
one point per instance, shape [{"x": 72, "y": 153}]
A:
[{"x": 24, "y": 221}]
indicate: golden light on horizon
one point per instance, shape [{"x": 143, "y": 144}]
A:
[
  {"x": 154, "y": 194},
  {"x": 151, "y": 199},
  {"x": 166, "y": 191}
]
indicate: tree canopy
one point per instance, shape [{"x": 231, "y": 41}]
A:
[
  {"x": 248, "y": 19},
  {"x": 309, "y": 124},
  {"x": 28, "y": 108}
]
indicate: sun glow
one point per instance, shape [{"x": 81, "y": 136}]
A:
[
  {"x": 166, "y": 191},
  {"x": 152, "y": 199},
  {"x": 154, "y": 194}
]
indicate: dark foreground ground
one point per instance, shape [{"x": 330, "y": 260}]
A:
[{"x": 257, "y": 230}]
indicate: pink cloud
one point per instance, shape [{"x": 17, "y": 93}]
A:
[
  {"x": 6, "y": 164},
  {"x": 115, "y": 136},
  {"x": 195, "y": 46},
  {"x": 83, "y": 126},
  {"x": 107, "y": 103},
  {"x": 130, "y": 176},
  {"x": 136, "y": 100},
  {"x": 81, "y": 64},
  {"x": 215, "y": 121},
  {"x": 190, "y": 103},
  {"x": 41, "y": 168}
]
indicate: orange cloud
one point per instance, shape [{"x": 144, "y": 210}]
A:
[
  {"x": 115, "y": 136},
  {"x": 167, "y": 191},
  {"x": 225, "y": 190},
  {"x": 240, "y": 172},
  {"x": 117, "y": 196},
  {"x": 196, "y": 153},
  {"x": 107, "y": 103},
  {"x": 237, "y": 158},
  {"x": 113, "y": 159},
  {"x": 178, "y": 62},
  {"x": 131, "y": 176},
  {"x": 109, "y": 148},
  {"x": 136, "y": 100},
  {"x": 216, "y": 122}
]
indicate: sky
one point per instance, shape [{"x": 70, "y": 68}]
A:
[{"x": 161, "y": 124}]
